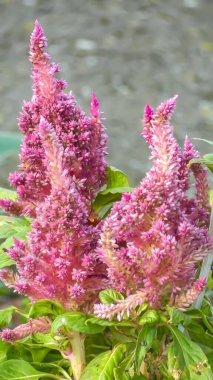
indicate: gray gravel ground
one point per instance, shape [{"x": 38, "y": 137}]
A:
[{"x": 129, "y": 52}]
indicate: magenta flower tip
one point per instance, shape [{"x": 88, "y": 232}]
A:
[
  {"x": 166, "y": 108},
  {"x": 38, "y": 43},
  {"x": 94, "y": 106},
  {"x": 148, "y": 113}
]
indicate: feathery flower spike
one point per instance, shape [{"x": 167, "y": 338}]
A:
[
  {"x": 154, "y": 237},
  {"x": 58, "y": 262},
  {"x": 83, "y": 138},
  {"x": 40, "y": 325}
]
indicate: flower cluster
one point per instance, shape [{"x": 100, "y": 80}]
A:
[
  {"x": 63, "y": 166},
  {"x": 149, "y": 245},
  {"x": 154, "y": 237},
  {"x": 83, "y": 138}
]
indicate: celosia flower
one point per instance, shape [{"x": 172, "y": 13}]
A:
[
  {"x": 154, "y": 237},
  {"x": 83, "y": 138},
  {"x": 53, "y": 264},
  {"x": 33, "y": 326},
  {"x": 185, "y": 300}
]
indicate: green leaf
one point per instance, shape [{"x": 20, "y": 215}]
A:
[
  {"x": 117, "y": 183},
  {"x": 116, "y": 178},
  {"x": 4, "y": 347},
  {"x": 110, "y": 296},
  {"x": 18, "y": 370},
  {"x": 177, "y": 316},
  {"x": 11, "y": 228},
  {"x": 187, "y": 357},
  {"x": 45, "y": 307},
  {"x": 75, "y": 321},
  {"x": 144, "y": 343},
  {"x": 102, "y": 322},
  {"x": 94, "y": 345},
  {"x": 103, "y": 203},
  {"x": 93, "y": 369},
  {"x": 6, "y": 316},
  {"x": 8, "y": 194},
  {"x": 119, "y": 374},
  {"x": 196, "y": 314},
  {"x": 5, "y": 260},
  {"x": 150, "y": 316},
  {"x": 199, "y": 335},
  {"x": 102, "y": 367},
  {"x": 38, "y": 354}
]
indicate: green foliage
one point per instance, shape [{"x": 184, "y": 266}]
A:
[
  {"x": 76, "y": 321},
  {"x": 10, "y": 228},
  {"x": 6, "y": 316},
  {"x": 117, "y": 183},
  {"x": 149, "y": 317},
  {"x": 187, "y": 358},
  {"x": 109, "y": 296},
  {"x": 102, "y": 367},
  {"x": 7, "y": 194},
  {"x": 18, "y": 370},
  {"x": 144, "y": 343},
  {"x": 46, "y": 308}
]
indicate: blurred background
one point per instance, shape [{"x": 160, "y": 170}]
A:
[{"x": 129, "y": 52}]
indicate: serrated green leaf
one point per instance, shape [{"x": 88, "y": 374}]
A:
[
  {"x": 110, "y": 296},
  {"x": 102, "y": 367},
  {"x": 6, "y": 315},
  {"x": 187, "y": 357},
  {"x": 18, "y": 370},
  {"x": 75, "y": 321},
  {"x": 144, "y": 343}
]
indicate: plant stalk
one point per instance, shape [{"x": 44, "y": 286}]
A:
[
  {"x": 206, "y": 267},
  {"x": 76, "y": 356}
]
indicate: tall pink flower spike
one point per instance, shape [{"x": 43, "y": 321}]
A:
[
  {"x": 62, "y": 168},
  {"x": 83, "y": 138},
  {"x": 58, "y": 262},
  {"x": 154, "y": 237}
]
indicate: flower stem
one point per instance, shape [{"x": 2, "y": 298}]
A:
[
  {"x": 77, "y": 354},
  {"x": 206, "y": 267}
]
